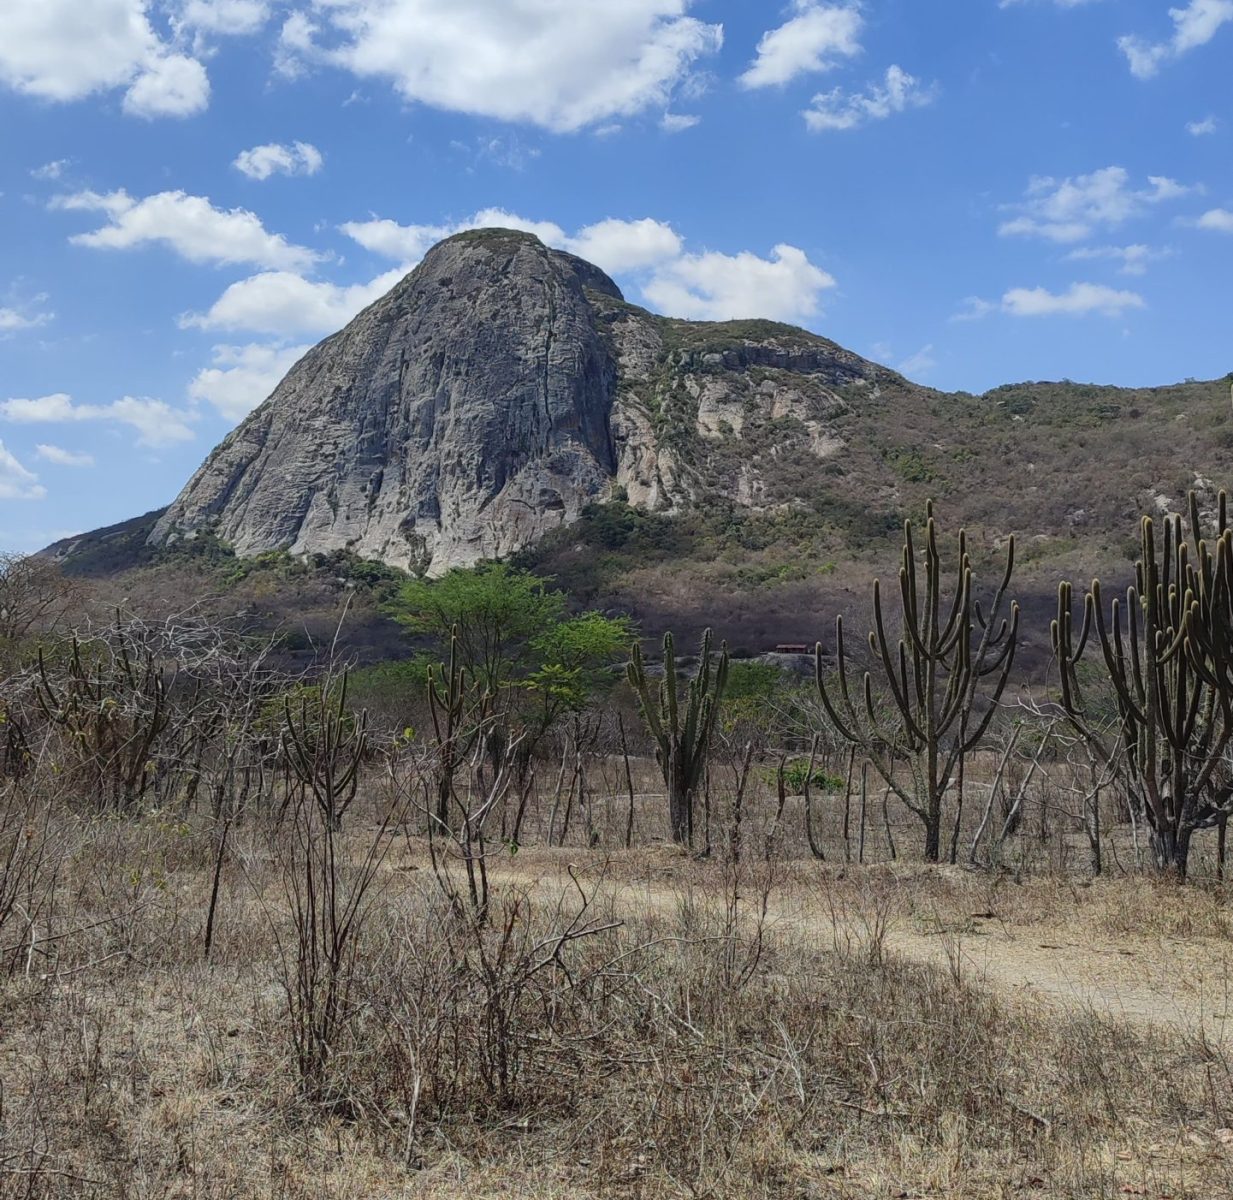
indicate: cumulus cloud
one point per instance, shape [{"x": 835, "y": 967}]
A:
[
  {"x": 16, "y": 481},
  {"x": 50, "y": 171},
  {"x": 156, "y": 423},
  {"x": 1202, "y": 128},
  {"x": 287, "y": 304},
  {"x": 1216, "y": 220},
  {"x": 189, "y": 225},
  {"x": 1132, "y": 260},
  {"x": 614, "y": 245},
  {"x": 243, "y": 376},
  {"x": 554, "y": 63},
  {"x": 300, "y": 158},
  {"x": 722, "y": 287},
  {"x": 709, "y": 286},
  {"x": 172, "y": 85},
  {"x": 234, "y": 17},
  {"x": 65, "y": 50},
  {"x": 1193, "y": 26},
  {"x": 13, "y": 320},
  {"x": 813, "y": 40},
  {"x": 1070, "y": 210},
  {"x": 678, "y": 122},
  {"x": 1079, "y": 300},
  {"x": 60, "y": 457},
  {"x": 840, "y": 110}
]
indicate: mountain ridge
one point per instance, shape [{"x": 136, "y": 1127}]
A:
[{"x": 505, "y": 400}]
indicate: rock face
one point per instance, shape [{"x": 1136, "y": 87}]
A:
[{"x": 490, "y": 397}]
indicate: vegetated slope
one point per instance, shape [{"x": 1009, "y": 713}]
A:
[{"x": 505, "y": 400}]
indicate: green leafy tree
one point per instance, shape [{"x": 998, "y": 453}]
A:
[{"x": 517, "y": 642}]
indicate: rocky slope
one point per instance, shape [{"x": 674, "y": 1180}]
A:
[
  {"x": 495, "y": 393},
  {"x": 504, "y": 399}
]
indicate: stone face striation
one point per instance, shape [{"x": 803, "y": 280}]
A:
[{"x": 491, "y": 396}]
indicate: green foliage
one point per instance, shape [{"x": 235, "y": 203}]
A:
[
  {"x": 796, "y": 773},
  {"x": 512, "y": 635}
]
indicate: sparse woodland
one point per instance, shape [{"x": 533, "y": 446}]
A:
[{"x": 537, "y": 912}]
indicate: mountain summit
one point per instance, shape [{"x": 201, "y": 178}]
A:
[{"x": 495, "y": 393}]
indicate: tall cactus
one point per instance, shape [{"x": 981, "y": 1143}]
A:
[
  {"x": 459, "y": 710},
  {"x": 1168, "y": 655},
  {"x": 944, "y": 678},
  {"x": 682, "y": 734},
  {"x": 325, "y": 746}
]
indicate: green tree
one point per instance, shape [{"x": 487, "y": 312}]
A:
[{"x": 517, "y": 642}]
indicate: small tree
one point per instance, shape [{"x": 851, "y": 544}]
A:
[
  {"x": 682, "y": 734},
  {"x": 512, "y": 636},
  {"x": 1168, "y": 656},
  {"x": 943, "y": 679}
]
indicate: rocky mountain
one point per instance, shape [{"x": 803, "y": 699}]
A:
[
  {"x": 504, "y": 399},
  {"x": 492, "y": 396}
]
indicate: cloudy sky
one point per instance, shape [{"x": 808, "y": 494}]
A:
[{"x": 974, "y": 191}]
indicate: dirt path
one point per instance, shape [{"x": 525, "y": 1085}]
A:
[{"x": 1185, "y": 985}]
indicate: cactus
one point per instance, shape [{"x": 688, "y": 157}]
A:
[
  {"x": 937, "y": 712},
  {"x": 1168, "y": 654},
  {"x": 459, "y": 715},
  {"x": 111, "y": 700},
  {"x": 325, "y": 746},
  {"x": 682, "y": 734}
]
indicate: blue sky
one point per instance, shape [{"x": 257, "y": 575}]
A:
[{"x": 194, "y": 191}]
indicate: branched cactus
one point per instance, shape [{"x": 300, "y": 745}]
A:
[
  {"x": 325, "y": 746},
  {"x": 682, "y": 732},
  {"x": 111, "y": 701},
  {"x": 943, "y": 678},
  {"x": 459, "y": 715},
  {"x": 1168, "y": 654}
]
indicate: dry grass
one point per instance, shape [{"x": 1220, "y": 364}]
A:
[{"x": 740, "y": 1033}]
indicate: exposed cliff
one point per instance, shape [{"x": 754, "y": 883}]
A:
[{"x": 490, "y": 397}]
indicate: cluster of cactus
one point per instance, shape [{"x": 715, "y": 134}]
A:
[
  {"x": 1168, "y": 652},
  {"x": 944, "y": 677},
  {"x": 681, "y": 732},
  {"x": 111, "y": 700}
]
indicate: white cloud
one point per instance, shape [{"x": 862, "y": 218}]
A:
[
  {"x": 1216, "y": 220},
  {"x": 234, "y": 17},
  {"x": 839, "y": 110},
  {"x": 620, "y": 246},
  {"x": 721, "y": 287},
  {"x": 1193, "y": 26},
  {"x": 189, "y": 225},
  {"x": 50, "y": 171},
  {"x": 64, "y": 50},
  {"x": 61, "y": 457},
  {"x": 173, "y": 85},
  {"x": 156, "y": 423},
  {"x": 1056, "y": 3},
  {"x": 811, "y": 41},
  {"x": 1134, "y": 259},
  {"x": 1069, "y": 210},
  {"x": 286, "y": 304},
  {"x": 1079, "y": 300},
  {"x": 16, "y": 482},
  {"x": 12, "y": 319},
  {"x": 678, "y": 122},
  {"x": 555, "y": 63},
  {"x": 1201, "y": 128},
  {"x": 974, "y": 309},
  {"x": 613, "y": 245},
  {"x": 300, "y": 158},
  {"x": 919, "y": 364},
  {"x": 243, "y": 376}
]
